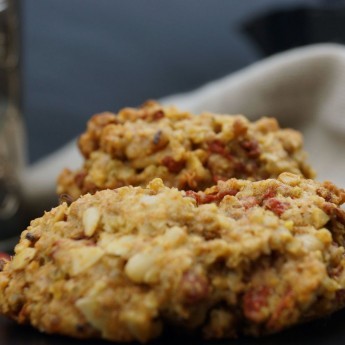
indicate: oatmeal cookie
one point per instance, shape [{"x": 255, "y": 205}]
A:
[
  {"x": 126, "y": 264},
  {"x": 185, "y": 150}
]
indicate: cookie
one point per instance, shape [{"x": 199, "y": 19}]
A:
[
  {"x": 128, "y": 264},
  {"x": 187, "y": 151}
]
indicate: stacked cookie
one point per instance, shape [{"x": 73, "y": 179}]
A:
[
  {"x": 186, "y": 151},
  {"x": 210, "y": 224}
]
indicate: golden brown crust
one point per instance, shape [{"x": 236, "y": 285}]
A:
[
  {"x": 241, "y": 257},
  {"x": 186, "y": 151}
]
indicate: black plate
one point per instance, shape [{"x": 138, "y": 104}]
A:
[{"x": 327, "y": 331}]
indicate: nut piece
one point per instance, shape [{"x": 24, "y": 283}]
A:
[
  {"x": 140, "y": 325},
  {"x": 174, "y": 237},
  {"x": 120, "y": 246},
  {"x": 90, "y": 220},
  {"x": 141, "y": 268},
  {"x": 83, "y": 258},
  {"x": 289, "y": 178},
  {"x": 320, "y": 218},
  {"x": 90, "y": 308}
]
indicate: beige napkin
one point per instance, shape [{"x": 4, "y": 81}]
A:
[{"x": 304, "y": 88}]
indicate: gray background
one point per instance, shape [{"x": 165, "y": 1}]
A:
[{"x": 86, "y": 56}]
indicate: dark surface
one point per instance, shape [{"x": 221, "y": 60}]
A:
[{"x": 330, "y": 331}]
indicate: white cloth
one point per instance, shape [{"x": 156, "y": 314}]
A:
[{"x": 303, "y": 88}]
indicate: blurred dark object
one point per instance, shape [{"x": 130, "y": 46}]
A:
[
  {"x": 294, "y": 27},
  {"x": 11, "y": 126}
]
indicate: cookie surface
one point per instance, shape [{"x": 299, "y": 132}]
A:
[
  {"x": 187, "y": 151},
  {"x": 127, "y": 264}
]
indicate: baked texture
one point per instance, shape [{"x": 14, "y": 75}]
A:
[
  {"x": 126, "y": 264},
  {"x": 185, "y": 150}
]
